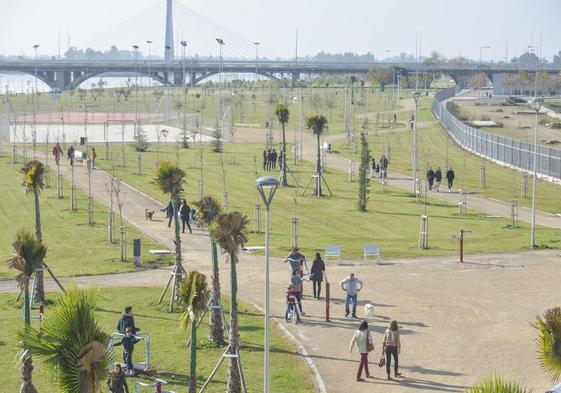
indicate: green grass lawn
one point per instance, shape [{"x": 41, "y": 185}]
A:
[
  {"x": 433, "y": 146},
  {"x": 392, "y": 220},
  {"x": 74, "y": 248},
  {"x": 169, "y": 355}
]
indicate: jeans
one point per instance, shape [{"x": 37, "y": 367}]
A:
[
  {"x": 299, "y": 297},
  {"x": 185, "y": 221},
  {"x": 170, "y": 219},
  {"x": 317, "y": 291},
  {"x": 450, "y": 183},
  {"x": 348, "y": 299},
  {"x": 127, "y": 358},
  {"x": 363, "y": 365},
  {"x": 389, "y": 352},
  {"x": 292, "y": 308}
]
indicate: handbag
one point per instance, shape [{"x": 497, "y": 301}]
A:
[
  {"x": 369, "y": 344},
  {"x": 382, "y": 361}
]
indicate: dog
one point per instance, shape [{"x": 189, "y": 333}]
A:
[
  {"x": 148, "y": 214},
  {"x": 368, "y": 308}
]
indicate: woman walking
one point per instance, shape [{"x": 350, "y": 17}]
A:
[
  {"x": 392, "y": 347},
  {"x": 316, "y": 274},
  {"x": 184, "y": 214},
  {"x": 364, "y": 345}
]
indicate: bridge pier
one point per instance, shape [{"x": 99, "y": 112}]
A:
[
  {"x": 295, "y": 79},
  {"x": 461, "y": 80}
]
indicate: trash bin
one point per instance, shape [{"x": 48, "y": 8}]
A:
[{"x": 137, "y": 260}]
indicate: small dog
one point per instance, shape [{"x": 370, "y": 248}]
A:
[
  {"x": 368, "y": 308},
  {"x": 148, "y": 214}
]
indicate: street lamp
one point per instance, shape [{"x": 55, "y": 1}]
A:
[
  {"x": 256, "y": 57},
  {"x": 165, "y": 134},
  {"x": 149, "y": 42},
  {"x": 416, "y": 96},
  {"x": 536, "y": 105},
  {"x": 136, "y": 130},
  {"x": 221, "y": 43},
  {"x": 267, "y": 186},
  {"x": 184, "y": 44},
  {"x": 35, "y": 47}
]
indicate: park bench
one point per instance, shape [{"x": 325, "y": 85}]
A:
[
  {"x": 333, "y": 252},
  {"x": 371, "y": 250},
  {"x": 161, "y": 252}
]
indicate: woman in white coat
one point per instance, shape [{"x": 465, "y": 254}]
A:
[{"x": 364, "y": 344}]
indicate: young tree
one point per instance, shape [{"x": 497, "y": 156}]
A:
[
  {"x": 33, "y": 173},
  {"x": 380, "y": 76},
  {"x": 208, "y": 210},
  {"x": 318, "y": 125},
  {"x": 71, "y": 343},
  {"x": 283, "y": 116},
  {"x": 230, "y": 231},
  {"x": 193, "y": 298},
  {"x": 363, "y": 173},
  {"x": 141, "y": 140},
  {"x": 171, "y": 179}
]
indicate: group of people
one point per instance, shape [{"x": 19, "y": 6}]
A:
[
  {"x": 380, "y": 169},
  {"x": 270, "y": 159},
  {"x": 435, "y": 177},
  {"x": 185, "y": 213},
  {"x": 58, "y": 153}
]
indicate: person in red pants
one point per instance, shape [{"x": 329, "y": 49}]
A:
[{"x": 364, "y": 344}]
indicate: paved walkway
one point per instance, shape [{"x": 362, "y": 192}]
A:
[{"x": 459, "y": 321}]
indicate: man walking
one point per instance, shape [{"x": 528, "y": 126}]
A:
[
  {"x": 430, "y": 177},
  {"x": 437, "y": 179},
  {"x": 57, "y": 152},
  {"x": 352, "y": 286},
  {"x": 450, "y": 177}
]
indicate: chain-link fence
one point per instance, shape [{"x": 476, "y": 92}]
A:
[{"x": 506, "y": 151}]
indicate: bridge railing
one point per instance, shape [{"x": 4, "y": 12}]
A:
[{"x": 505, "y": 151}]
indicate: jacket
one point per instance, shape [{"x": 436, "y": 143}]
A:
[
  {"x": 127, "y": 343},
  {"x": 450, "y": 175},
  {"x": 295, "y": 283},
  {"x": 351, "y": 286},
  {"x": 127, "y": 320},
  {"x": 184, "y": 211},
  {"x": 318, "y": 267},
  {"x": 117, "y": 383},
  {"x": 391, "y": 338},
  {"x": 168, "y": 209},
  {"x": 361, "y": 338},
  {"x": 438, "y": 175},
  {"x": 430, "y": 175},
  {"x": 295, "y": 260}
]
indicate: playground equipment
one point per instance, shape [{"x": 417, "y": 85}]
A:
[
  {"x": 157, "y": 385},
  {"x": 118, "y": 336}
]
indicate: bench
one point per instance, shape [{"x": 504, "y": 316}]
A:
[
  {"x": 161, "y": 252},
  {"x": 333, "y": 252},
  {"x": 372, "y": 250}
]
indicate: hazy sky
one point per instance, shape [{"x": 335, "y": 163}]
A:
[{"x": 452, "y": 27}]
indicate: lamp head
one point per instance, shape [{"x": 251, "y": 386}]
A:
[
  {"x": 183, "y": 43},
  {"x": 135, "y": 47},
  {"x": 537, "y": 103},
  {"x": 35, "y": 46},
  {"x": 416, "y": 96},
  {"x": 148, "y": 42},
  {"x": 168, "y": 47},
  {"x": 164, "y": 132},
  {"x": 267, "y": 183},
  {"x": 220, "y": 41}
]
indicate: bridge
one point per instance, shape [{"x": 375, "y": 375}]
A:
[{"x": 69, "y": 74}]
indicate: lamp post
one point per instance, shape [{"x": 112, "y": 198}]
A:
[
  {"x": 149, "y": 42},
  {"x": 267, "y": 186},
  {"x": 416, "y": 96},
  {"x": 35, "y": 47},
  {"x": 136, "y": 129},
  {"x": 536, "y": 105},
  {"x": 221, "y": 43},
  {"x": 165, "y": 134},
  {"x": 480, "y": 60},
  {"x": 256, "y": 57},
  {"x": 184, "y": 45}
]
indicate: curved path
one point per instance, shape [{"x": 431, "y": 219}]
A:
[{"x": 455, "y": 318}]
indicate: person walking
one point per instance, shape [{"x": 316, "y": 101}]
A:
[
  {"x": 450, "y": 177},
  {"x": 57, "y": 152},
  {"x": 117, "y": 381},
  {"x": 70, "y": 154},
  {"x": 93, "y": 157},
  {"x": 364, "y": 344},
  {"x": 274, "y": 158},
  {"x": 437, "y": 179},
  {"x": 296, "y": 261},
  {"x": 128, "y": 342},
  {"x": 127, "y": 321},
  {"x": 184, "y": 214},
  {"x": 430, "y": 178},
  {"x": 269, "y": 159},
  {"x": 352, "y": 286},
  {"x": 295, "y": 283},
  {"x": 169, "y": 212},
  {"x": 373, "y": 166},
  {"x": 316, "y": 274},
  {"x": 392, "y": 347}
]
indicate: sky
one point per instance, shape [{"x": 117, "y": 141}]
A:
[{"x": 452, "y": 27}]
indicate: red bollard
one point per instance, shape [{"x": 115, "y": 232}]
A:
[
  {"x": 461, "y": 245},
  {"x": 327, "y": 297}
]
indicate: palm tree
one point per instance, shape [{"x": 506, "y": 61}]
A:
[
  {"x": 548, "y": 340},
  {"x": 318, "y": 125},
  {"x": 193, "y": 297},
  {"x": 33, "y": 173},
  {"x": 28, "y": 254},
  {"x": 230, "y": 231},
  {"x": 496, "y": 385},
  {"x": 283, "y": 116},
  {"x": 208, "y": 210},
  {"x": 70, "y": 343},
  {"x": 171, "y": 179}
]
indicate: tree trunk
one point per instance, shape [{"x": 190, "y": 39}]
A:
[
  {"x": 26, "y": 375},
  {"x": 26, "y": 306},
  {"x": 39, "y": 294},
  {"x": 193, "y": 365},
  {"x": 318, "y": 171},
  {"x": 178, "y": 259},
  {"x": 234, "y": 382},
  {"x": 283, "y": 162},
  {"x": 216, "y": 331}
]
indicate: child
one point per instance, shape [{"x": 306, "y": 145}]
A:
[
  {"x": 128, "y": 347},
  {"x": 291, "y": 304}
]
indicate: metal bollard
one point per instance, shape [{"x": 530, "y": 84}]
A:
[{"x": 327, "y": 298}]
